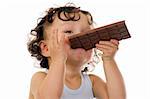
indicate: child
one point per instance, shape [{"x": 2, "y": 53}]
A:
[{"x": 65, "y": 79}]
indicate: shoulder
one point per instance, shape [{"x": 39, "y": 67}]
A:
[
  {"x": 38, "y": 75},
  {"x": 94, "y": 78},
  {"x": 36, "y": 80},
  {"x": 98, "y": 85}
]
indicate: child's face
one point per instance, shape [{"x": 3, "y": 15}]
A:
[{"x": 70, "y": 28}]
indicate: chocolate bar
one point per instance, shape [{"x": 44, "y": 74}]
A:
[{"x": 88, "y": 39}]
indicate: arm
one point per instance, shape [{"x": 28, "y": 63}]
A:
[
  {"x": 50, "y": 86},
  {"x": 36, "y": 81},
  {"x": 99, "y": 87},
  {"x": 46, "y": 86},
  {"x": 114, "y": 80},
  {"x": 114, "y": 87}
]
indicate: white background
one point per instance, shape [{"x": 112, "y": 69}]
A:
[{"x": 18, "y": 17}]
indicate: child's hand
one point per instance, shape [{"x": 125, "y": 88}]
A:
[
  {"x": 108, "y": 48},
  {"x": 58, "y": 46}
]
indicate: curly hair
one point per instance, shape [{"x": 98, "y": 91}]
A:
[{"x": 38, "y": 31}]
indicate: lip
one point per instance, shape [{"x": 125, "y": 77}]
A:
[{"x": 79, "y": 49}]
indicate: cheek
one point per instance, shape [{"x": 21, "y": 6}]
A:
[{"x": 89, "y": 54}]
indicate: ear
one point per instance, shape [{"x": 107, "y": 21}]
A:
[{"x": 44, "y": 48}]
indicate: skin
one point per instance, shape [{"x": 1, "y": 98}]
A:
[{"x": 65, "y": 64}]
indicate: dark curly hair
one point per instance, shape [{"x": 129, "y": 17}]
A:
[{"x": 71, "y": 13}]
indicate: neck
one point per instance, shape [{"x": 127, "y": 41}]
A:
[{"x": 73, "y": 70}]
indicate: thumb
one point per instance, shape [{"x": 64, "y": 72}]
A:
[
  {"x": 66, "y": 39},
  {"x": 114, "y": 41}
]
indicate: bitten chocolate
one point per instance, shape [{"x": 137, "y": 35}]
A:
[{"x": 88, "y": 39}]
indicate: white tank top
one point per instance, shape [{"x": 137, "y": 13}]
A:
[{"x": 83, "y": 92}]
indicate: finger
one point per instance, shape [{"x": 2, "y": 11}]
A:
[
  {"x": 57, "y": 36},
  {"x": 51, "y": 38},
  {"x": 106, "y": 47},
  {"x": 108, "y": 43},
  {"x": 102, "y": 49},
  {"x": 54, "y": 38},
  {"x": 66, "y": 39},
  {"x": 114, "y": 41},
  {"x": 60, "y": 37}
]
